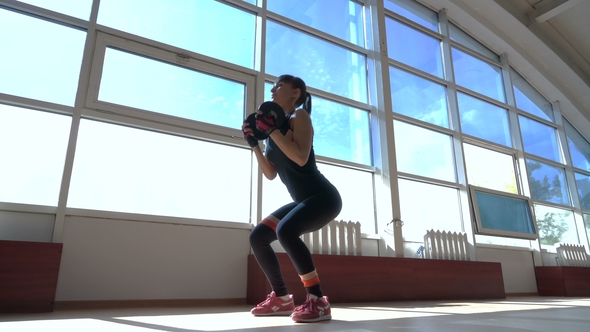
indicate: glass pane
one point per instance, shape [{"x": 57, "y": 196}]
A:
[
  {"x": 484, "y": 120},
  {"x": 320, "y": 64},
  {"x": 478, "y": 75},
  {"x": 529, "y": 99},
  {"x": 464, "y": 39},
  {"x": 33, "y": 148},
  {"x": 355, "y": 187},
  {"x": 555, "y": 226},
  {"x": 424, "y": 152},
  {"x": 77, "y": 8},
  {"x": 418, "y": 98},
  {"x": 442, "y": 213},
  {"x": 155, "y": 86},
  {"x": 539, "y": 139},
  {"x": 490, "y": 169},
  {"x": 414, "y": 48},
  {"x": 583, "y": 184},
  {"x": 547, "y": 182},
  {"x": 345, "y": 20},
  {"x": 341, "y": 132},
  {"x": 136, "y": 171},
  {"x": 578, "y": 146},
  {"x": 502, "y": 213},
  {"x": 197, "y": 26},
  {"x": 31, "y": 64},
  {"x": 414, "y": 11}
]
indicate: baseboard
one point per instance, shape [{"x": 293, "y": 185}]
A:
[{"x": 126, "y": 304}]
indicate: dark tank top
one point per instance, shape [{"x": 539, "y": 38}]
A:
[{"x": 302, "y": 182}]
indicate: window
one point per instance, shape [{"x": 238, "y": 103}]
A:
[
  {"x": 414, "y": 11},
  {"x": 418, "y": 98},
  {"x": 33, "y": 149},
  {"x": 443, "y": 211},
  {"x": 477, "y": 116},
  {"x": 587, "y": 225},
  {"x": 490, "y": 169},
  {"x": 76, "y": 8},
  {"x": 137, "y": 171},
  {"x": 345, "y": 20},
  {"x": 529, "y": 99},
  {"x": 464, "y": 39},
  {"x": 539, "y": 139},
  {"x": 198, "y": 26},
  {"x": 502, "y": 214},
  {"x": 320, "y": 64},
  {"x": 583, "y": 185},
  {"x": 355, "y": 187},
  {"x": 142, "y": 83},
  {"x": 555, "y": 226},
  {"x": 578, "y": 146},
  {"x": 414, "y": 48},
  {"x": 341, "y": 132},
  {"x": 478, "y": 75},
  {"x": 547, "y": 183},
  {"x": 424, "y": 152},
  {"x": 39, "y": 60}
]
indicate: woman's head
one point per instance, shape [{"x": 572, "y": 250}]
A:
[{"x": 297, "y": 92}]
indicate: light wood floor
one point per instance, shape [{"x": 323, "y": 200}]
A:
[{"x": 513, "y": 314}]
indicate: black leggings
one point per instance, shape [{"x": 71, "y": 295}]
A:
[{"x": 295, "y": 219}]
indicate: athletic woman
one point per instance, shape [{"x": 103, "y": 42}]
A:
[{"x": 289, "y": 154}]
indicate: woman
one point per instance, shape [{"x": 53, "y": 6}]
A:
[{"x": 289, "y": 153}]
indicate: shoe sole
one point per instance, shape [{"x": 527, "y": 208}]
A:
[
  {"x": 313, "y": 320},
  {"x": 281, "y": 313}
]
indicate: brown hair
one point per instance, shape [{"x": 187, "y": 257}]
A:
[{"x": 297, "y": 83}]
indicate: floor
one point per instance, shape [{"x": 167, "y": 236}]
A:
[{"x": 539, "y": 314}]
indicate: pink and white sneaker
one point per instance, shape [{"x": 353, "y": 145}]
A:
[
  {"x": 314, "y": 309},
  {"x": 274, "y": 306}
]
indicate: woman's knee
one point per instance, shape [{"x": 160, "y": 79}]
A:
[{"x": 261, "y": 235}]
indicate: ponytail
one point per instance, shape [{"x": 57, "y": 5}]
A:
[{"x": 307, "y": 103}]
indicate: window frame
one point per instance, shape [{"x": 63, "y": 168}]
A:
[
  {"x": 479, "y": 229},
  {"x": 98, "y": 109}
]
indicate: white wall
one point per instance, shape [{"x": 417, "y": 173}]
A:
[
  {"x": 518, "y": 268},
  {"x": 109, "y": 259}
]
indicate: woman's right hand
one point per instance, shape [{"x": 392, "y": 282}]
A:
[{"x": 248, "y": 134}]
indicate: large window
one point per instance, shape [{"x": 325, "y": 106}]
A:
[
  {"x": 578, "y": 146},
  {"x": 33, "y": 148},
  {"x": 478, "y": 75},
  {"x": 539, "y": 139},
  {"x": 547, "y": 182},
  {"x": 424, "y": 152},
  {"x": 529, "y": 99},
  {"x": 555, "y": 226},
  {"x": 414, "y": 11},
  {"x": 345, "y": 20},
  {"x": 418, "y": 97},
  {"x": 39, "y": 60},
  {"x": 321, "y": 64},
  {"x": 151, "y": 85},
  {"x": 205, "y": 27},
  {"x": 583, "y": 185},
  {"x": 137, "y": 171},
  {"x": 414, "y": 48},
  {"x": 490, "y": 169},
  {"x": 477, "y": 115}
]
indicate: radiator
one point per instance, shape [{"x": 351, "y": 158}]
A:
[
  {"x": 446, "y": 245},
  {"x": 336, "y": 238},
  {"x": 572, "y": 255}
]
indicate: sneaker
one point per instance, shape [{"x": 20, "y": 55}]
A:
[
  {"x": 312, "y": 310},
  {"x": 274, "y": 306}
]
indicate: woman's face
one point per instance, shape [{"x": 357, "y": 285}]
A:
[{"x": 284, "y": 94}]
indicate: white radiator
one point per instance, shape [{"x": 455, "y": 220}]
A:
[
  {"x": 446, "y": 245},
  {"x": 336, "y": 238},
  {"x": 572, "y": 255}
]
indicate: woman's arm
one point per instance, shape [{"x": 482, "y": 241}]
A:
[
  {"x": 268, "y": 169},
  {"x": 299, "y": 149}
]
